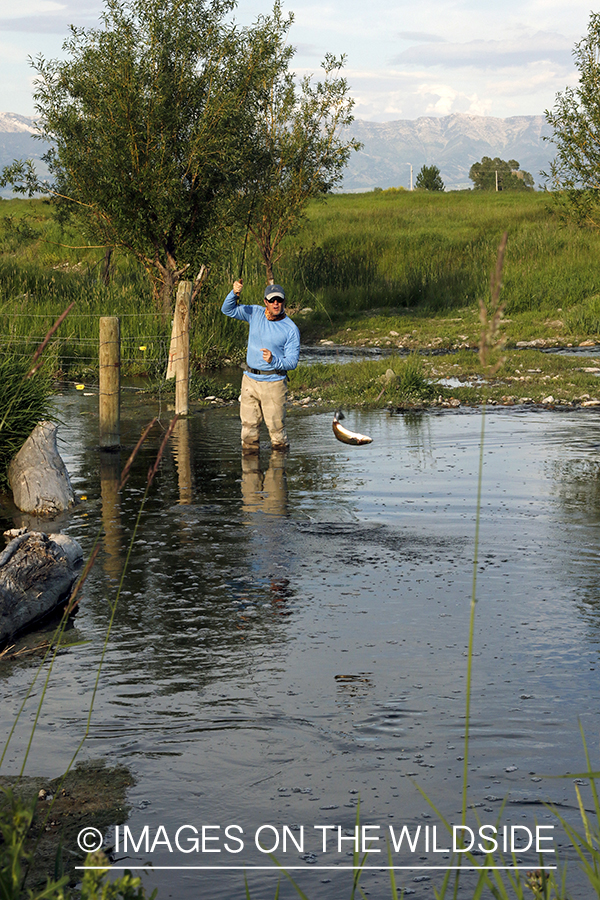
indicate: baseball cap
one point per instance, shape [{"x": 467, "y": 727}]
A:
[{"x": 274, "y": 290}]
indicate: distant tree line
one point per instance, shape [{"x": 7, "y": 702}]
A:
[{"x": 487, "y": 175}]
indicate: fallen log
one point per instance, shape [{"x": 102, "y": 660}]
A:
[{"x": 37, "y": 572}]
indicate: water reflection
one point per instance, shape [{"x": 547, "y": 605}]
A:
[
  {"x": 110, "y": 476},
  {"x": 358, "y": 687},
  {"x": 181, "y": 451},
  {"x": 575, "y": 479},
  {"x": 419, "y": 436},
  {"x": 264, "y": 504},
  {"x": 264, "y": 493},
  {"x": 208, "y": 575}
]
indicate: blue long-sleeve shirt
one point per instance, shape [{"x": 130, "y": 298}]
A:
[{"x": 281, "y": 337}]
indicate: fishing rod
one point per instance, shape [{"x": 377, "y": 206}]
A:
[{"x": 247, "y": 230}]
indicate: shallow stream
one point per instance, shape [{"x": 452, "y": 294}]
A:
[{"x": 292, "y": 632}]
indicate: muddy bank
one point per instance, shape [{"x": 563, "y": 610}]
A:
[{"x": 90, "y": 795}]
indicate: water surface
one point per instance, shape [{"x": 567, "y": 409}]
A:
[{"x": 291, "y": 633}]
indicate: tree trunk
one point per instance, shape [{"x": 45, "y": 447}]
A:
[
  {"x": 169, "y": 282},
  {"x": 267, "y": 252},
  {"x": 165, "y": 278},
  {"x": 200, "y": 279},
  {"x": 38, "y": 476}
]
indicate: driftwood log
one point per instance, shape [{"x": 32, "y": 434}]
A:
[
  {"x": 37, "y": 572},
  {"x": 38, "y": 476}
]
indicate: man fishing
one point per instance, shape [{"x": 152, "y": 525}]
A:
[{"x": 273, "y": 350}]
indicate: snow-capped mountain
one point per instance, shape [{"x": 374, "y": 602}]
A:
[{"x": 452, "y": 143}]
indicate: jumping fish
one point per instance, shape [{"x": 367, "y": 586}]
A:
[{"x": 345, "y": 436}]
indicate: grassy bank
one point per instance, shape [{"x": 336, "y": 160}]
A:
[
  {"x": 44, "y": 268},
  {"x": 388, "y": 269},
  {"x": 527, "y": 376}
]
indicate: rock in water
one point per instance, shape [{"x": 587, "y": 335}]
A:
[
  {"x": 37, "y": 475},
  {"x": 36, "y": 574}
]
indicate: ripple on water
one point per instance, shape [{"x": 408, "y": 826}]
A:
[{"x": 307, "y": 627}]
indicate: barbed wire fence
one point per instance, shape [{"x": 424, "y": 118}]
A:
[
  {"x": 158, "y": 342},
  {"x": 143, "y": 354},
  {"x": 146, "y": 343}
]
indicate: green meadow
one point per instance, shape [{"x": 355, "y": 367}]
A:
[{"x": 390, "y": 269}]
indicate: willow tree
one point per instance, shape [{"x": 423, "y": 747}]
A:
[
  {"x": 575, "y": 119},
  {"x": 146, "y": 118},
  {"x": 300, "y": 146}
]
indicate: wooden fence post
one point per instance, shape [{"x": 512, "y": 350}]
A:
[
  {"x": 110, "y": 381},
  {"x": 179, "y": 353}
]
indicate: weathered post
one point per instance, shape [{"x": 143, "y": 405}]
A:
[
  {"x": 179, "y": 353},
  {"x": 110, "y": 381}
]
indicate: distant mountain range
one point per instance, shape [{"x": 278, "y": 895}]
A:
[
  {"x": 16, "y": 142},
  {"x": 452, "y": 143}
]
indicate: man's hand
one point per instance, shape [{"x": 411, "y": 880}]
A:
[
  {"x": 237, "y": 287},
  {"x": 267, "y": 355}
]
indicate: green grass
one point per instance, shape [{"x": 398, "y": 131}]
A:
[
  {"x": 435, "y": 252},
  {"x": 418, "y": 263},
  {"x": 40, "y": 277},
  {"x": 381, "y": 269},
  {"x": 525, "y": 374},
  {"x": 366, "y": 384},
  {"x": 23, "y": 401}
]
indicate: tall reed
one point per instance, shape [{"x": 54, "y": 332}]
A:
[{"x": 23, "y": 403}]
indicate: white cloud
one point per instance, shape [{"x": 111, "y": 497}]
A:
[
  {"x": 410, "y": 93},
  {"x": 479, "y": 106},
  {"x": 29, "y": 8},
  {"x": 420, "y": 37},
  {"x": 442, "y": 98},
  {"x": 443, "y": 57},
  {"x": 485, "y": 54}
]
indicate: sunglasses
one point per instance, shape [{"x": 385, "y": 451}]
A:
[{"x": 275, "y": 300}]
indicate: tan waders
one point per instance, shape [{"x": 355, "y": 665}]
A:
[{"x": 263, "y": 401}]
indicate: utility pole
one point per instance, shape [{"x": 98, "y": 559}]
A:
[
  {"x": 410, "y": 164},
  {"x": 496, "y": 179}
]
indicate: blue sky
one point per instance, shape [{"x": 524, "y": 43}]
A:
[{"x": 404, "y": 60}]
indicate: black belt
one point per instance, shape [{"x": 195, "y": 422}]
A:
[{"x": 282, "y": 372}]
